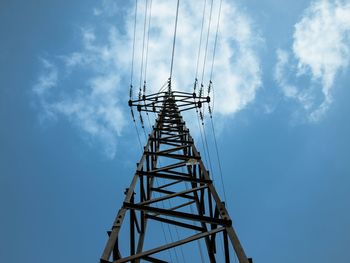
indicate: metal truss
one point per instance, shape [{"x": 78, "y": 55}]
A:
[
  {"x": 155, "y": 102},
  {"x": 170, "y": 169}
]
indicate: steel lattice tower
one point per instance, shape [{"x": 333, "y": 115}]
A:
[{"x": 172, "y": 168}]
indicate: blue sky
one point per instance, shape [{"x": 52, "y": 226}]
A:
[{"x": 69, "y": 149}]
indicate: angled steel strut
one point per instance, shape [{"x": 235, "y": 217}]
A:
[{"x": 169, "y": 180}]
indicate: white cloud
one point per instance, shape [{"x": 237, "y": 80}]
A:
[
  {"x": 96, "y": 12},
  {"x": 96, "y": 112},
  {"x": 95, "y": 106},
  {"x": 282, "y": 70},
  {"x": 237, "y": 74},
  {"x": 321, "y": 46},
  {"x": 106, "y": 58},
  {"x": 47, "y": 79}
]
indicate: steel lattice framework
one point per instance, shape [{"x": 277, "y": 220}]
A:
[{"x": 171, "y": 168}]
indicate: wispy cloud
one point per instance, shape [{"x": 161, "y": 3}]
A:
[
  {"x": 321, "y": 48},
  {"x": 93, "y": 106},
  {"x": 283, "y": 75},
  {"x": 97, "y": 105},
  {"x": 47, "y": 79}
]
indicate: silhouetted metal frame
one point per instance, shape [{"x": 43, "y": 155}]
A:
[{"x": 170, "y": 130}]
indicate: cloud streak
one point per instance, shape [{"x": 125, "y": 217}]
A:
[
  {"x": 97, "y": 106},
  {"x": 321, "y": 49}
]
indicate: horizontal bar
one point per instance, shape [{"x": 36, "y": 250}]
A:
[
  {"x": 170, "y": 245},
  {"x": 163, "y": 191},
  {"x": 188, "y": 216},
  {"x": 182, "y": 205},
  {"x": 162, "y": 198},
  {"x": 187, "y": 178},
  {"x": 169, "y": 184},
  {"x": 176, "y": 223},
  {"x": 175, "y": 149},
  {"x": 168, "y": 167},
  {"x": 154, "y": 260},
  {"x": 173, "y": 155}
]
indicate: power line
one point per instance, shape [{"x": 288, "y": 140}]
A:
[
  {"x": 170, "y": 233},
  {"x": 200, "y": 38},
  {"x": 206, "y": 45},
  {"x": 216, "y": 40},
  {"x": 133, "y": 51},
  {"x": 178, "y": 236},
  {"x": 148, "y": 33},
  {"x": 218, "y": 157},
  {"x": 143, "y": 126},
  {"x": 177, "y": 233},
  {"x": 172, "y": 55},
  {"x": 161, "y": 223},
  {"x": 203, "y": 70},
  {"x": 137, "y": 130},
  {"x": 211, "y": 110},
  {"x": 143, "y": 47},
  {"x": 195, "y": 223},
  {"x": 207, "y": 147},
  {"x": 146, "y": 62},
  {"x": 200, "y": 129}
]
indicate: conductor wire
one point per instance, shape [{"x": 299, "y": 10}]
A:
[
  {"x": 133, "y": 51},
  {"x": 174, "y": 40}
]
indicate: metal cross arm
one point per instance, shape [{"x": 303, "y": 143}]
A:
[{"x": 154, "y": 102}]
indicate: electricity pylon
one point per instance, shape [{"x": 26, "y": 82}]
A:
[{"x": 171, "y": 186}]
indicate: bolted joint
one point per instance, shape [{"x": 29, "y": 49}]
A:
[
  {"x": 126, "y": 191},
  {"x": 130, "y": 103}
]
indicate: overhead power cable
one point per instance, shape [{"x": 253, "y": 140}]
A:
[
  {"x": 148, "y": 33},
  {"x": 133, "y": 52},
  {"x": 206, "y": 45},
  {"x": 137, "y": 130},
  {"x": 161, "y": 223},
  {"x": 169, "y": 229},
  {"x": 174, "y": 40},
  {"x": 194, "y": 222},
  {"x": 200, "y": 39},
  {"x": 204, "y": 64},
  {"x": 201, "y": 133},
  {"x": 131, "y": 76},
  {"x": 207, "y": 147},
  {"x": 211, "y": 109},
  {"x": 178, "y": 236},
  {"x": 143, "y": 47},
  {"x": 146, "y": 62},
  {"x": 216, "y": 40},
  {"x": 218, "y": 158}
]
